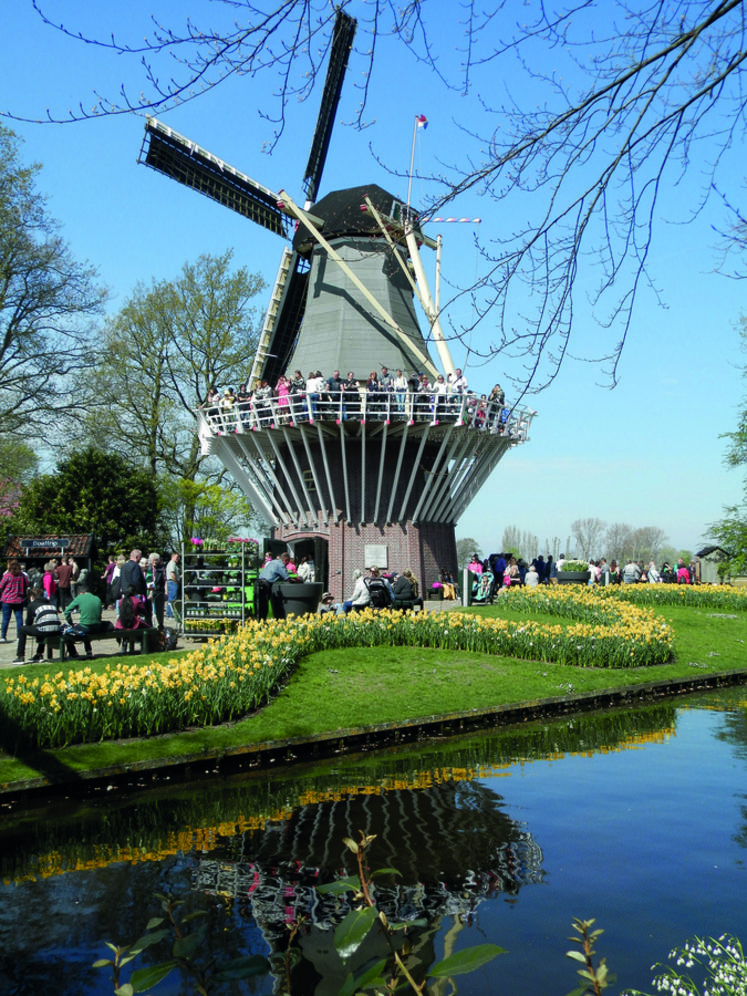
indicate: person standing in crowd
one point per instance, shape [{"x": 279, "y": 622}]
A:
[
  {"x": 275, "y": 570},
  {"x": 373, "y": 397},
  {"x": 532, "y": 578},
  {"x": 282, "y": 393},
  {"x": 386, "y": 387},
  {"x": 64, "y": 584},
  {"x": 49, "y": 581},
  {"x": 604, "y": 572},
  {"x": 75, "y": 577},
  {"x": 333, "y": 396},
  {"x": 399, "y": 387},
  {"x": 41, "y": 621},
  {"x": 131, "y": 576},
  {"x": 631, "y": 572},
  {"x": 459, "y": 384},
  {"x": 173, "y": 579},
  {"x": 306, "y": 569},
  {"x": 243, "y": 406},
  {"x": 13, "y": 589},
  {"x": 156, "y": 583},
  {"x": 297, "y": 390},
  {"x": 439, "y": 397},
  {"x": 107, "y": 578},
  {"x": 351, "y": 397}
]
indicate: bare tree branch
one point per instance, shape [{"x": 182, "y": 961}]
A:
[{"x": 654, "y": 95}]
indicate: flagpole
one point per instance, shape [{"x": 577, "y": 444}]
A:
[{"x": 412, "y": 160}]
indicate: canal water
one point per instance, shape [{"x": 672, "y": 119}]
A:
[{"x": 637, "y": 818}]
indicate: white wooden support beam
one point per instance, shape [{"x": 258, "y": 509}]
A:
[
  {"x": 382, "y": 459},
  {"x": 428, "y": 494},
  {"x": 259, "y": 478},
  {"x": 325, "y": 463},
  {"x": 348, "y": 516},
  {"x": 288, "y": 485},
  {"x": 309, "y": 503},
  {"x": 413, "y": 474},
  {"x": 323, "y": 505},
  {"x": 247, "y": 481},
  {"x": 279, "y": 496},
  {"x": 397, "y": 472}
]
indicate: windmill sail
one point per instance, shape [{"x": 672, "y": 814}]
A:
[
  {"x": 170, "y": 153},
  {"x": 342, "y": 42}
]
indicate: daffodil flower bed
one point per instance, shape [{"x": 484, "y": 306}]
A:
[
  {"x": 702, "y": 596},
  {"x": 230, "y": 677}
]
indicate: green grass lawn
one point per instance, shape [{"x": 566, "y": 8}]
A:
[{"x": 353, "y": 688}]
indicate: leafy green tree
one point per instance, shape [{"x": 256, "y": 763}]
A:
[
  {"x": 219, "y": 512},
  {"x": 164, "y": 349},
  {"x": 18, "y": 462},
  {"x": 466, "y": 546},
  {"x": 46, "y": 299},
  {"x": 93, "y": 492}
]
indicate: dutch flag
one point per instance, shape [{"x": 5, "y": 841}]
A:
[{"x": 422, "y": 120}]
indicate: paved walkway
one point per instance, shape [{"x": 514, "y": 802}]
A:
[{"x": 111, "y": 649}]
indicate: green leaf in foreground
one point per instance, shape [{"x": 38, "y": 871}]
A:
[
  {"x": 145, "y": 978},
  {"x": 349, "y": 884},
  {"x": 371, "y": 977},
  {"x": 148, "y": 940},
  {"x": 349, "y": 934},
  {"x": 465, "y": 961},
  {"x": 242, "y": 968}
]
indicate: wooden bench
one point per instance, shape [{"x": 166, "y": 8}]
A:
[{"x": 148, "y": 639}]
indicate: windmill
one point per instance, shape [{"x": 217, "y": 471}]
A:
[{"x": 383, "y": 490}]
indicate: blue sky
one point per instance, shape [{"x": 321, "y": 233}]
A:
[{"x": 647, "y": 453}]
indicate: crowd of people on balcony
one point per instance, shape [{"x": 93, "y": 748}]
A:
[{"x": 383, "y": 396}]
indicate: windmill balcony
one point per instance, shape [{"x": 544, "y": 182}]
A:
[
  {"x": 405, "y": 408},
  {"x": 374, "y": 458}
]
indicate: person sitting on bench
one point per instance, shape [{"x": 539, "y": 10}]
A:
[{"x": 90, "y": 607}]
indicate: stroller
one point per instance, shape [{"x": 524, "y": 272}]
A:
[{"x": 483, "y": 588}]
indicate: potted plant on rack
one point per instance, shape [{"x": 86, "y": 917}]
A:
[{"x": 574, "y": 572}]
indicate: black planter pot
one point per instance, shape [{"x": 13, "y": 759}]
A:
[
  {"x": 300, "y": 599},
  {"x": 573, "y": 577}
]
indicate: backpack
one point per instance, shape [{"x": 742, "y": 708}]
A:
[
  {"x": 379, "y": 591},
  {"x": 169, "y": 639},
  {"x": 116, "y": 587}
]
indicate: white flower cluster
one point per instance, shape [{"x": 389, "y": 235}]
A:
[{"x": 721, "y": 963}]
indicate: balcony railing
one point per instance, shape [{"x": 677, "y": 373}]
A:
[{"x": 369, "y": 407}]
